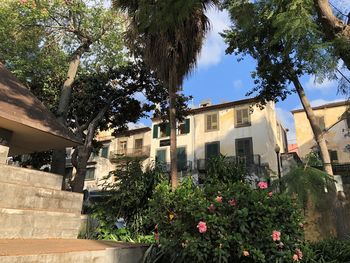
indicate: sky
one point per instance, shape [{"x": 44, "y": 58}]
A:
[{"x": 221, "y": 78}]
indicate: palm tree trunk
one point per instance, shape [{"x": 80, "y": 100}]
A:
[
  {"x": 172, "y": 119},
  {"x": 327, "y": 166}
]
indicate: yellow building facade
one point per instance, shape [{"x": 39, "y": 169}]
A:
[{"x": 334, "y": 120}]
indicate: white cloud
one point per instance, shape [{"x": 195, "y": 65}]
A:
[
  {"x": 132, "y": 126},
  {"x": 287, "y": 120},
  {"x": 238, "y": 84},
  {"x": 326, "y": 84},
  {"x": 214, "y": 47}
]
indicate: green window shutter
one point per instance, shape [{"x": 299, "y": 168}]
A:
[
  {"x": 187, "y": 126},
  {"x": 167, "y": 129},
  {"x": 155, "y": 131}
]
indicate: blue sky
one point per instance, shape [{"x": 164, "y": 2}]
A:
[{"x": 221, "y": 78}]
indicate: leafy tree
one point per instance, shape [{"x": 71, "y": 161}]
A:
[
  {"x": 280, "y": 62},
  {"x": 114, "y": 105},
  {"x": 83, "y": 31},
  {"x": 171, "y": 35}
]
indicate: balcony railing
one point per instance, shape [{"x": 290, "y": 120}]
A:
[
  {"x": 247, "y": 161},
  {"x": 131, "y": 152},
  {"x": 182, "y": 166}
]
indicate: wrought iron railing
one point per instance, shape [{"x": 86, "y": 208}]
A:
[
  {"x": 182, "y": 166},
  {"x": 246, "y": 160},
  {"x": 131, "y": 152}
]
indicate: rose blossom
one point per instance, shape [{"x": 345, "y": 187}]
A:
[
  {"x": 262, "y": 185},
  {"x": 218, "y": 199},
  {"x": 202, "y": 227},
  {"x": 211, "y": 208},
  {"x": 245, "y": 253},
  {"x": 295, "y": 257},
  {"x": 276, "y": 235},
  {"x": 232, "y": 202},
  {"x": 299, "y": 253}
]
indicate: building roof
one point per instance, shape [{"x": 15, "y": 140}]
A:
[
  {"x": 34, "y": 128},
  {"x": 325, "y": 106},
  {"x": 223, "y": 105},
  {"x": 132, "y": 132}
]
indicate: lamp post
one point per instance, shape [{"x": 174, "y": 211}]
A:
[{"x": 277, "y": 150}]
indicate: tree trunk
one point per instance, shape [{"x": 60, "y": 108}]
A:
[
  {"x": 83, "y": 154},
  {"x": 172, "y": 119},
  {"x": 318, "y": 134},
  {"x": 58, "y": 163},
  {"x": 84, "y": 151},
  {"x": 334, "y": 29}
]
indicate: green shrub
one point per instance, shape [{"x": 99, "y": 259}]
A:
[
  {"x": 329, "y": 251},
  {"x": 127, "y": 198},
  {"x": 228, "y": 222}
]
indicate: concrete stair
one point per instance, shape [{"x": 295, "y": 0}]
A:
[{"x": 33, "y": 206}]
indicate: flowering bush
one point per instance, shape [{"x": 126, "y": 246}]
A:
[{"x": 228, "y": 222}]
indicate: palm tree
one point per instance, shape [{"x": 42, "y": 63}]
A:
[{"x": 171, "y": 34}]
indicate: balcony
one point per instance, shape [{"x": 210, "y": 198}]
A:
[
  {"x": 181, "y": 166},
  {"x": 247, "y": 161},
  {"x": 142, "y": 152}
]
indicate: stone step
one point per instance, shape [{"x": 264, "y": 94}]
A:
[
  {"x": 17, "y": 196},
  {"x": 29, "y": 223},
  {"x": 13, "y": 174},
  {"x": 69, "y": 250}
]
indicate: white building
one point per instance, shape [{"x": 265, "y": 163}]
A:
[
  {"x": 237, "y": 129},
  {"x": 131, "y": 143}
]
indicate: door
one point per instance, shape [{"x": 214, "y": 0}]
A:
[
  {"x": 161, "y": 156},
  {"x": 181, "y": 159},
  {"x": 212, "y": 150},
  {"x": 244, "y": 150}
]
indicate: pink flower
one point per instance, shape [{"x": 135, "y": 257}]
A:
[
  {"x": 270, "y": 194},
  {"x": 276, "y": 235},
  {"x": 301, "y": 225},
  {"x": 245, "y": 253},
  {"x": 202, "y": 227},
  {"x": 299, "y": 253},
  {"x": 232, "y": 202},
  {"x": 295, "y": 257},
  {"x": 262, "y": 185},
  {"x": 218, "y": 199},
  {"x": 211, "y": 208},
  {"x": 23, "y": 1}
]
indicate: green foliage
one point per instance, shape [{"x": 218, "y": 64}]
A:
[
  {"x": 329, "y": 251},
  {"x": 281, "y": 36},
  {"x": 224, "y": 170},
  {"x": 127, "y": 198},
  {"x": 238, "y": 219},
  {"x": 307, "y": 182}
]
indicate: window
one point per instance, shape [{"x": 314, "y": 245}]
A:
[
  {"x": 244, "y": 149},
  {"x": 90, "y": 174},
  {"x": 184, "y": 127},
  {"x": 122, "y": 147},
  {"x": 212, "y": 122},
  {"x": 212, "y": 149},
  {"x": 242, "y": 117},
  {"x": 138, "y": 144},
  {"x": 104, "y": 151},
  {"x": 320, "y": 122},
  {"x": 278, "y": 131},
  {"x": 333, "y": 155},
  {"x": 181, "y": 158}
]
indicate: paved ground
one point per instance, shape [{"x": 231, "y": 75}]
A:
[{"x": 15, "y": 247}]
